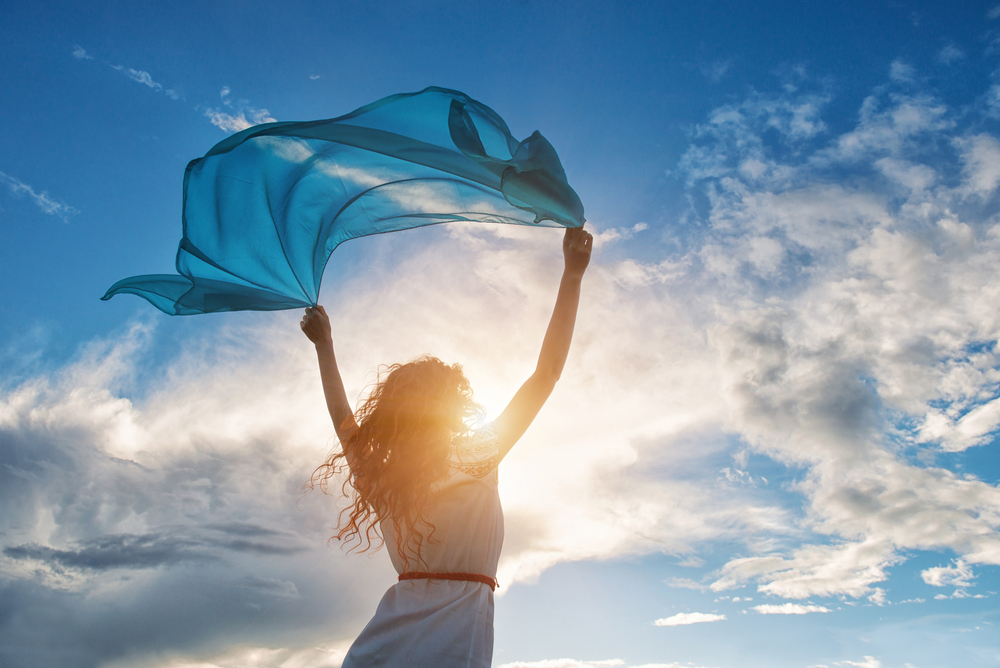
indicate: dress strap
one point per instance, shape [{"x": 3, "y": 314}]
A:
[{"x": 465, "y": 577}]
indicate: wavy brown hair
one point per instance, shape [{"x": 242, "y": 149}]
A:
[{"x": 399, "y": 450}]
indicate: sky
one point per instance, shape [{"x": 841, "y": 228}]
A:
[{"x": 775, "y": 441}]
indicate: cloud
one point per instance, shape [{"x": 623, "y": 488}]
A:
[
  {"x": 157, "y": 529},
  {"x": 717, "y": 70},
  {"x": 322, "y": 655},
  {"x": 869, "y": 662},
  {"x": 812, "y": 570},
  {"x": 981, "y": 155},
  {"x": 731, "y": 136},
  {"x": 245, "y": 117},
  {"x": 565, "y": 663},
  {"x": 875, "y": 337},
  {"x": 152, "y": 550},
  {"x": 789, "y": 609},
  {"x": 121, "y": 551},
  {"x": 238, "y": 122},
  {"x": 144, "y": 78},
  {"x": 685, "y": 583},
  {"x": 900, "y": 71},
  {"x": 685, "y": 618},
  {"x": 613, "y": 234},
  {"x": 949, "y": 54},
  {"x": 959, "y": 575},
  {"x": 42, "y": 200},
  {"x": 138, "y": 76},
  {"x": 575, "y": 663},
  {"x": 890, "y": 125}
]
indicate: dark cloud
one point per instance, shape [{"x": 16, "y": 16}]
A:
[{"x": 121, "y": 551}]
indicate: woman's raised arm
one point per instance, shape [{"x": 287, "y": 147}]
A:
[
  {"x": 522, "y": 409},
  {"x": 316, "y": 325}
]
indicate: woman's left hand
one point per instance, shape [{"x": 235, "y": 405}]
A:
[{"x": 577, "y": 246}]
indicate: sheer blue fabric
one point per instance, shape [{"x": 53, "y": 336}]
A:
[{"x": 265, "y": 208}]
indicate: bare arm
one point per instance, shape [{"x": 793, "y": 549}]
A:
[
  {"x": 522, "y": 409},
  {"x": 316, "y": 325}
]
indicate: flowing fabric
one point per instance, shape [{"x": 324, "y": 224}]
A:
[{"x": 265, "y": 208}]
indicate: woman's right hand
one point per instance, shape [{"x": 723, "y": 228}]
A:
[{"x": 316, "y": 325}]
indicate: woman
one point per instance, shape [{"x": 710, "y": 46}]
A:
[{"x": 431, "y": 487}]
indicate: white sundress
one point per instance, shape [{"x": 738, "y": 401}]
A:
[{"x": 444, "y": 623}]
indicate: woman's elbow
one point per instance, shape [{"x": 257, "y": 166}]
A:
[{"x": 547, "y": 377}]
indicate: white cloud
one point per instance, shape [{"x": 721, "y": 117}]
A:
[
  {"x": 684, "y": 583},
  {"x": 617, "y": 234},
  {"x": 43, "y": 200},
  {"x": 949, "y": 54},
  {"x": 324, "y": 656},
  {"x": 789, "y": 609},
  {"x": 981, "y": 155},
  {"x": 994, "y": 12},
  {"x": 565, "y": 663},
  {"x": 959, "y": 575},
  {"x": 685, "y": 618},
  {"x": 717, "y": 70},
  {"x": 894, "y": 298},
  {"x": 915, "y": 177},
  {"x": 245, "y": 116},
  {"x": 575, "y": 663},
  {"x": 900, "y": 71},
  {"x": 992, "y": 100},
  {"x": 869, "y": 662},
  {"x": 631, "y": 273},
  {"x": 139, "y": 76},
  {"x": 889, "y": 126},
  {"x": 238, "y": 122}
]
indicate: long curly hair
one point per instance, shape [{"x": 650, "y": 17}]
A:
[{"x": 399, "y": 450}]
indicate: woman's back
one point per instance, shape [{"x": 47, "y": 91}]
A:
[{"x": 436, "y": 622}]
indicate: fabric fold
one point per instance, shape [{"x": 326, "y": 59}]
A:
[{"x": 264, "y": 209}]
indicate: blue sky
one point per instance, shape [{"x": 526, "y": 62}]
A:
[{"x": 775, "y": 441}]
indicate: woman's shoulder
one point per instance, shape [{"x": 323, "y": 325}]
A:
[{"x": 476, "y": 452}]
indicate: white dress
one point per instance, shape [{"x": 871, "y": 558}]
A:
[{"x": 444, "y": 623}]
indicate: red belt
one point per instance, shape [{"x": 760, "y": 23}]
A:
[{"x": 465, "y": 577}]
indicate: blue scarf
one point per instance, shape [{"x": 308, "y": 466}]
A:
[{"x": 265, "y": 208}]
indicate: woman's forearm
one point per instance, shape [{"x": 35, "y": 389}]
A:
[
  {"x": 559, "y": 335},
  {"x": 333, "y": 390}
]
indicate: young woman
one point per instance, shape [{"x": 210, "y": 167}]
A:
[{"x": 430, "y": 486}]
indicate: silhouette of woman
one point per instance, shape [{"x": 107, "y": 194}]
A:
[{"x": 428, "y": 484}]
